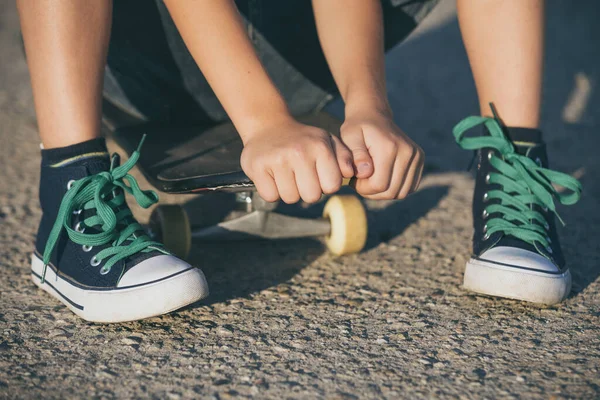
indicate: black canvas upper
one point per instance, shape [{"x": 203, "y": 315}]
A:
[
  {"x": 68, "y": 258},
  {"x": 527, "y": 142}
]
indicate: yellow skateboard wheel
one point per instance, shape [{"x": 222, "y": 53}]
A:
[
  {"x": 172, "y": 226},
  {"x": 348, "y": 220}
]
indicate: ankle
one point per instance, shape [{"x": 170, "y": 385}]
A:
[
  {"x": 61, "y": 156},
  {"x": 524, "y": 135}
]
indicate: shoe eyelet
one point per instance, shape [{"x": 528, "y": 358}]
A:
[
  {"x": 486, "y": 237},
  {"x": 545, "y": 209},
  {"x": 104, "y": 271},
  {"x": 77, "y": 212},
  {"x": 538, "y": 161},
  {"x": 94, "y": 262},
  {"x": 548, "y": 239},
  {"x": 546, "y": 226},
  {"x": 485, "y": 196},
  {"x": 79, "y": 228},
  {"x": 87, "y": 248},
  {"x": 487, "y": 178},
  {"x": 485, "y": 214},
  {"x": 70, "y": 184},
  {"x": 549, "y": 249},
  {"x": 490, "y": 155},
  {"x": 485, "y": 228}
]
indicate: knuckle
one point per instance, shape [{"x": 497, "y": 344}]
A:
[
  {"x": 279, "y": 160},
  {"x": 268, "y": 196},
  {"x": 246, "y": 162},
  {"x": 331, "y": 188},
  {"x": 419, "y": 155},
  {"x": 360, "y": 152},
  {"x": 402, "y": 195},
  {"x": 390, "y": 193},
  {"x": 348, "y": 128},
  {"x": 290, "y": 198},
  {"x": 380, "y": 186},
  {"x": 406, "y": 150},
  {"x": 256, "y": 165},
  {"x": 392, "y": 149},
  {"x": 371, "y": 196},
  {"x": 322, "y": 145},
  {"x": 298, "y": 152},
  {"x": 344, "y": 152},
  {"x": 312, "y": 197}
]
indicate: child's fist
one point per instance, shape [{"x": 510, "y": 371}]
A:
[
  {"x": 293, "y": 161},
  {"x": 387, "y": 162}
]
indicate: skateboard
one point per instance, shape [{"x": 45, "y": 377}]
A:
[{"x": 201, "y": 159}]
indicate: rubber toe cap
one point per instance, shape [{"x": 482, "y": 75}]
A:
[
  {"x": 153, "y": 269},
  {"x": 516, "y": 257}
]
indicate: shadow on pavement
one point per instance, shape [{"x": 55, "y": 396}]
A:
[
  {"x": 434, "y": 70},
  {"x": 431, "y": 89},
  {"x": 387, "y": 223},
  {"x": 240, "y": 268}
]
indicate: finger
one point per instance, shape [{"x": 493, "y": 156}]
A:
[
  {"x": 396, "y": 181},
  {"x": 384, "y": 158},
  {"x": 419, "y": 174},
  {"x": 343, "y": 156},
  {"x": 308, "y": 183},
  {"x": 328, "y": 170},
  {"x": 265, "y": 186},
  {"x": 411, "y": 176},
  {"x": 286, "y": 185},
  {"x": 363, "y": 163}
]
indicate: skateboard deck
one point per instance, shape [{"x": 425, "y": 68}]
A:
[
  {"x": 188, "y": 158},
  {"x": 195, "y": 158}
]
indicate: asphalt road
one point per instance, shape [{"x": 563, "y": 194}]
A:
[{"x": 286, "y": 319}]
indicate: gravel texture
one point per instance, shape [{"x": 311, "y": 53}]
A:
[{"x": 287, "y": 320}]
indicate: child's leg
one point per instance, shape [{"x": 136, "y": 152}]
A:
[
  {"x": 504, "y": 42},
  {"x": 66, "y": 45},
  {"x": 516, "y": 250}
]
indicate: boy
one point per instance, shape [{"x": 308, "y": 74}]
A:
[{"x": 93, "y": 256}]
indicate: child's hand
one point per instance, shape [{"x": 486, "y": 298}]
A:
[
  {"x": 388, "y": 163},
  {"x": 289, "y": 160}
]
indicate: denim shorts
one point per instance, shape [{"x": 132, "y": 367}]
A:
[{"x": 151, "y": 75}]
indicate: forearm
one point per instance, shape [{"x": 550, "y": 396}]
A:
[
  {"x": 351, "y": 35},
  {"x": 215, "y": 36}
]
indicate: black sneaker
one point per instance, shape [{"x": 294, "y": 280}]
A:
[
  {"x": 91, "y": 253},
  {"x": 516, "y": 250}
]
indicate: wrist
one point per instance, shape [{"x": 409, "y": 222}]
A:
[
  {"x": 257, "y": 121},
  {"x": 367, "y": 101},
  {"x": 259, "y": 124}
]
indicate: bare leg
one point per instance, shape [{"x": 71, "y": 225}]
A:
[
  {"x": 66, "y": 44},
  {"x": 505, "y": 45}
]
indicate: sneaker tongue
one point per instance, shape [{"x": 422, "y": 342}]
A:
[
  {"x": 524, "y": 138},
  {"x": 522, "y": 149},
  {"x": 96, "y": 165}
]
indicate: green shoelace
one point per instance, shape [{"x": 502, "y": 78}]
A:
[
  {"x": 524, "y": 184},
  {"x": 100, "y": 192}
]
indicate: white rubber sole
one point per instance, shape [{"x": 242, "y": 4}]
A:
[
  {"x": 516, "y": 283},
  {"x": 124, "y": 304}
]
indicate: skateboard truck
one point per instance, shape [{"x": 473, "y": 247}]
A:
[
  {"x": 343, "y": 225},
  {"x": 183, "y": 158}
]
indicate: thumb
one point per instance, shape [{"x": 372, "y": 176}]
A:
[
  {"x": 344, "y": 157},
  {"x": 363, "y": 163}
]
